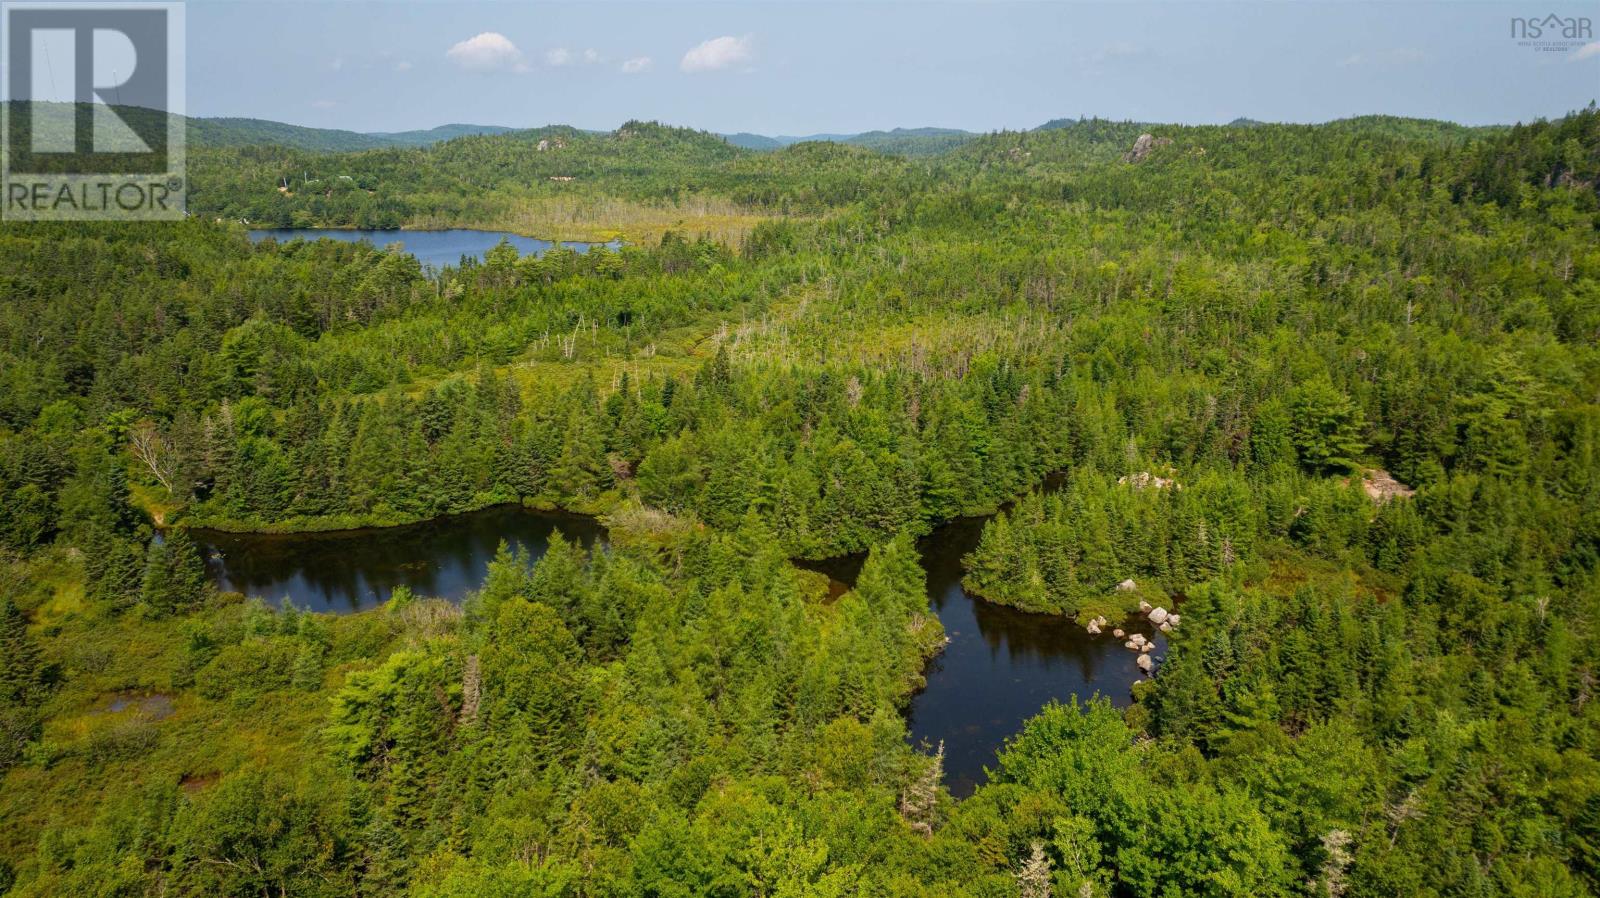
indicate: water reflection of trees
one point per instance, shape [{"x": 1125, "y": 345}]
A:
[{"x": 352, "y": 570}]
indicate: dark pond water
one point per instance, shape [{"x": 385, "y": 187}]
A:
[
  {"x": 432, "y": 248},
  {"x": 356, "y": 569},
  {"x": 1000, "y": 667}
]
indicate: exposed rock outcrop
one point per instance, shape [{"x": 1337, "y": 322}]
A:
[
  {"x": 1146, "y": 480},
  {"x": 1381, "y": 486},
  {"x": 1144, "y": 146}
]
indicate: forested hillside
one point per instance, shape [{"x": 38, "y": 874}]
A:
[
  {"x": 241, "y": 132},
  {"x": 1333, "y": 392}
]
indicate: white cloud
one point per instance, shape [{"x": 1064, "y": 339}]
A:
[
  {"x": 488, "y": 52},
  {"x": 1592, "y": 48},
  {"x": 559, "y": 57},
  {"x": 635, "y": 65},
  {"x": 403, "y": 65},
  {"x": 718, "y": 53},
  {"x": 323, "y": 104}
]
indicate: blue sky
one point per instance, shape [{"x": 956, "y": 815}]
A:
[{"x": 807, "y": 67}]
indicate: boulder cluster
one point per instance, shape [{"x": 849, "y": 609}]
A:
[{"x": 1164, "y": 621}]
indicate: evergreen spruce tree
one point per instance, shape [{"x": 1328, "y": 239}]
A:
[
  {"x": 174, "y": 577},
  {"x": 1325, "y": 427},
  {"x": 20, "y": 664}
]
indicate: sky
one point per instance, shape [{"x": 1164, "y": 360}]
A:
[{"x": 807, "y": 67}]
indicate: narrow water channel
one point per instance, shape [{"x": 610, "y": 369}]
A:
[
  {"x": 999, "y": 668},
  {"x": 1001, "y": 665}
]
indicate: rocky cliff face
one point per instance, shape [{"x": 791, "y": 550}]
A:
[{"x": 1144, "y": 146}]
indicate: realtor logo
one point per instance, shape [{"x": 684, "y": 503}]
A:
[
  {"x": 93, "y": 125},
  {"x": 1552, "y": 33}
]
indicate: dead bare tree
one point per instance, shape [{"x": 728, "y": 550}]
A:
[
  {"x": 921, "y": 798},
  {"x": 153, "y": 450},
  {"x": 1033, "y": 879}
]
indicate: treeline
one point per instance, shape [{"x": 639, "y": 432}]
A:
[
  {"x": 653, "y": 163},
  {"x": 642, "y": 161}
]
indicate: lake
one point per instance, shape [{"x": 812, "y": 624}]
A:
[
  {"x": 432, "y": 248},
  {"x": 999, "y": 668}
]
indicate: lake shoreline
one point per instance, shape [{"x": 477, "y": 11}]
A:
[
  {"x": 423, "y": 229},
  {"x": 372, "y": 529},
  {"x": 436, "y": 248},
  {"x": 998, "y": 667}
]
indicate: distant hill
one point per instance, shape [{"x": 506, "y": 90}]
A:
[
  {"x": 434, "y": 135},
  {"x": 1410, "y": 128},
  {"x": 239, "y": 132},
  {"x": 912, "y": 141},
  {"x": 899, "y": 141},
  {"x": 236, "y": 132},
  {"x": 748, "y": 141}
]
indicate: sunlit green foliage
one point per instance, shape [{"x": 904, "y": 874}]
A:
[{"x": 1366, "y": 696}]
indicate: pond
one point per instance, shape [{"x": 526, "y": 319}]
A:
[
  {"x": 352, "y": 570},
  {"x": 433, "y": 248},
  {"x": 999, "y": 668}
]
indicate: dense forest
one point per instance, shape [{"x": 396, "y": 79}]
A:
[{"x": 1332, "y": 391}]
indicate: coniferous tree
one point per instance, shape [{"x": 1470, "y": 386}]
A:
[
  {"x": 174, "y": 577},
  {"x": 1325, "y": 427},
  {"x": 21, "y": 667}
]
